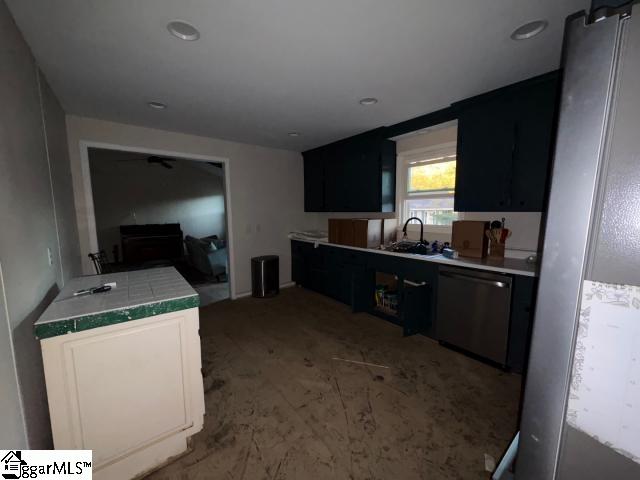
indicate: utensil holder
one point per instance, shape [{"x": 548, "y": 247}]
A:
[{"x": 496, "y": 250}]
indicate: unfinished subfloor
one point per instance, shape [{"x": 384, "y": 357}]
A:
[{"x": 282, "y": 402}]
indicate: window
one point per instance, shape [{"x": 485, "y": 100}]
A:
[{"x": 429, "y": 187}]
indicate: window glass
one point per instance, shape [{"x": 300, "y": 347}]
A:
[
  {"x": 432, "y": 177},
  {"x": 432, "y": 211}
]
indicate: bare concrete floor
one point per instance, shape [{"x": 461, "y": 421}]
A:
[{"x": 280, "y": 405}]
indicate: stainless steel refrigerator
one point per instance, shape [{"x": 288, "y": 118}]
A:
[{"x": 581, "y": 414}]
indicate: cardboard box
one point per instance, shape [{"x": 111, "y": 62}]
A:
[
  {"x": 468, "y": 238},
  {"x": 389, "y": 230},
  {"x": 339, "y": 230},
  {"x": 355, "y": 232}
]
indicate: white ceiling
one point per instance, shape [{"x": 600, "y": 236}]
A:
[{"x": 263, "y": 68}]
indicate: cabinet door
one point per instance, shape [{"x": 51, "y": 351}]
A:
[
  {"x": 485, "y": 156},
  {"x": 317, "y": 271},
  {"x": 335, "y": 193},
  {"x": 523, "y": 300},
  {"x": 388, "y": 158},
  {"x": 415, "y": 307},
  {"x": 300, "y": 262},
  {"x": 362, "y": 288},
  {"x": 363, "y": 178},
  {"x": 314, "y": 172},
  {"x": 535, "y": 110},
  {"x": 105, "y": 394},
  {"x": 338, "y": 275},
  {"x": 298, "y": 273}
]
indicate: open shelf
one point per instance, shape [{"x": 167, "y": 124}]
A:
[{"x": 386, "y": 297}]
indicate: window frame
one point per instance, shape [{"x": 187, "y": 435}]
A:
[{"x": 404, "y": 162}]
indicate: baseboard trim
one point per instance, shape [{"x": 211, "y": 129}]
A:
[{"x": 248, "y": 294}]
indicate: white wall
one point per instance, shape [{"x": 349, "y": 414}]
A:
[
  {"x": 265, "y": 197},
  {"x": 525, "y": 226},
  {"x": 35, "y": 216},
  {"x": 128, "y": 190}
]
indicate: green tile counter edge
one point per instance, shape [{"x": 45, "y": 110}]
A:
[{"x": 112, "y": 317}]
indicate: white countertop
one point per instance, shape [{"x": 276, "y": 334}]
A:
[{"x": 515, "y": 266}]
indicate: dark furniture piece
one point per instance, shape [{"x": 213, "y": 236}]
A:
[
  {"x": 353, "y": 175},
  {"x": 151, "y": 243},
  {"x": 208, "y": 255},
  {"x": 100, "y": 262},
  {"x": 505, "y": 140},
  {"x": 349, "y": 276}
]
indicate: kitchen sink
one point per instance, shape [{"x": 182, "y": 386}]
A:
[{"x": 416, "y": 248}]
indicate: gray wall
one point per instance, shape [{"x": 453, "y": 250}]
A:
[
  {"x": 32, "y": 196},
  {"x": 191, "y": 194}
]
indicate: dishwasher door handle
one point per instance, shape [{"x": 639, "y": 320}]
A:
[{"x": 469, "y": 278}]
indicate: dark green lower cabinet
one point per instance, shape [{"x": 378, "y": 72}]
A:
[
  {"x": 363, "y": 284},
  {"x": 338, "y": 279},
  {"x": 522, "y": 308},
  {"x": 415, "y": 307},
  {"x": 349, "y": 276}
]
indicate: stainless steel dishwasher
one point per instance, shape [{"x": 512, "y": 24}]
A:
[{"x": 473, "y": 311}]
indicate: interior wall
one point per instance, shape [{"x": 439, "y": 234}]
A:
[
  {"x": 265, "y": 196},
  {"x": 32, "y": 197},
  {"x": 12, "y": 427},
  {"x": 127, "y": 190},
  {"x": 54, "y": 119}
]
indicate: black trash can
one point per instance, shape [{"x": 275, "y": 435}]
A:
[{"x": 265, "y": 276}]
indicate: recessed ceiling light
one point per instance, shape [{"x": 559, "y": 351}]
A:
[
  {"x": 529, "y": 30},
  {"x": 368, "y": 101},
  {"x": 294, "y": 134},
  {"x": 183, "y": 30},
  {"x": 157, "y": 105}
]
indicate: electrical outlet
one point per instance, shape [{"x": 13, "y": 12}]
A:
[{"x": 50, "y": 256}]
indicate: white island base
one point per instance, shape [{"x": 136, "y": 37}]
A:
[{"x": 132, "y": 392}]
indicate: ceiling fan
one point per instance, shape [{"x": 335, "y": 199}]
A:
[{"x": 164, "y": 161}]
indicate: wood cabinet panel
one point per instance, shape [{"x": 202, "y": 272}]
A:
[{"x": 132, "y": 406}]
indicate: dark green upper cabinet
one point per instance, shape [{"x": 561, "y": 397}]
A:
[
  {"x": 505, "y": 141},
  {"x": 352, "y": 175},
  {"x": 535, "y": 135},
  {"x": 314, "y": 199},
  {"x": 505, "y": 146},
  {"x": 485, "y": 148}
]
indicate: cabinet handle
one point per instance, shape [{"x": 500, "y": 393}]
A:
[
  {"x": 514, "y": 154},
  {"x": 469, "y": 278},
  {"x": 414, "y": 284}
]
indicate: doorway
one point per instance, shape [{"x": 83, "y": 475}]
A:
[{"x": 152, "y": 210}]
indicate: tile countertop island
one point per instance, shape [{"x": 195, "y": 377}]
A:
[
  {"x": 138, "y": 294},
  {"x": 123, "y": 370},
  {"x": 515, "y": 266}
]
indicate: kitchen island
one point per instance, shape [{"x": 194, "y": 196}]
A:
[{"x": 122, "y": 369}]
